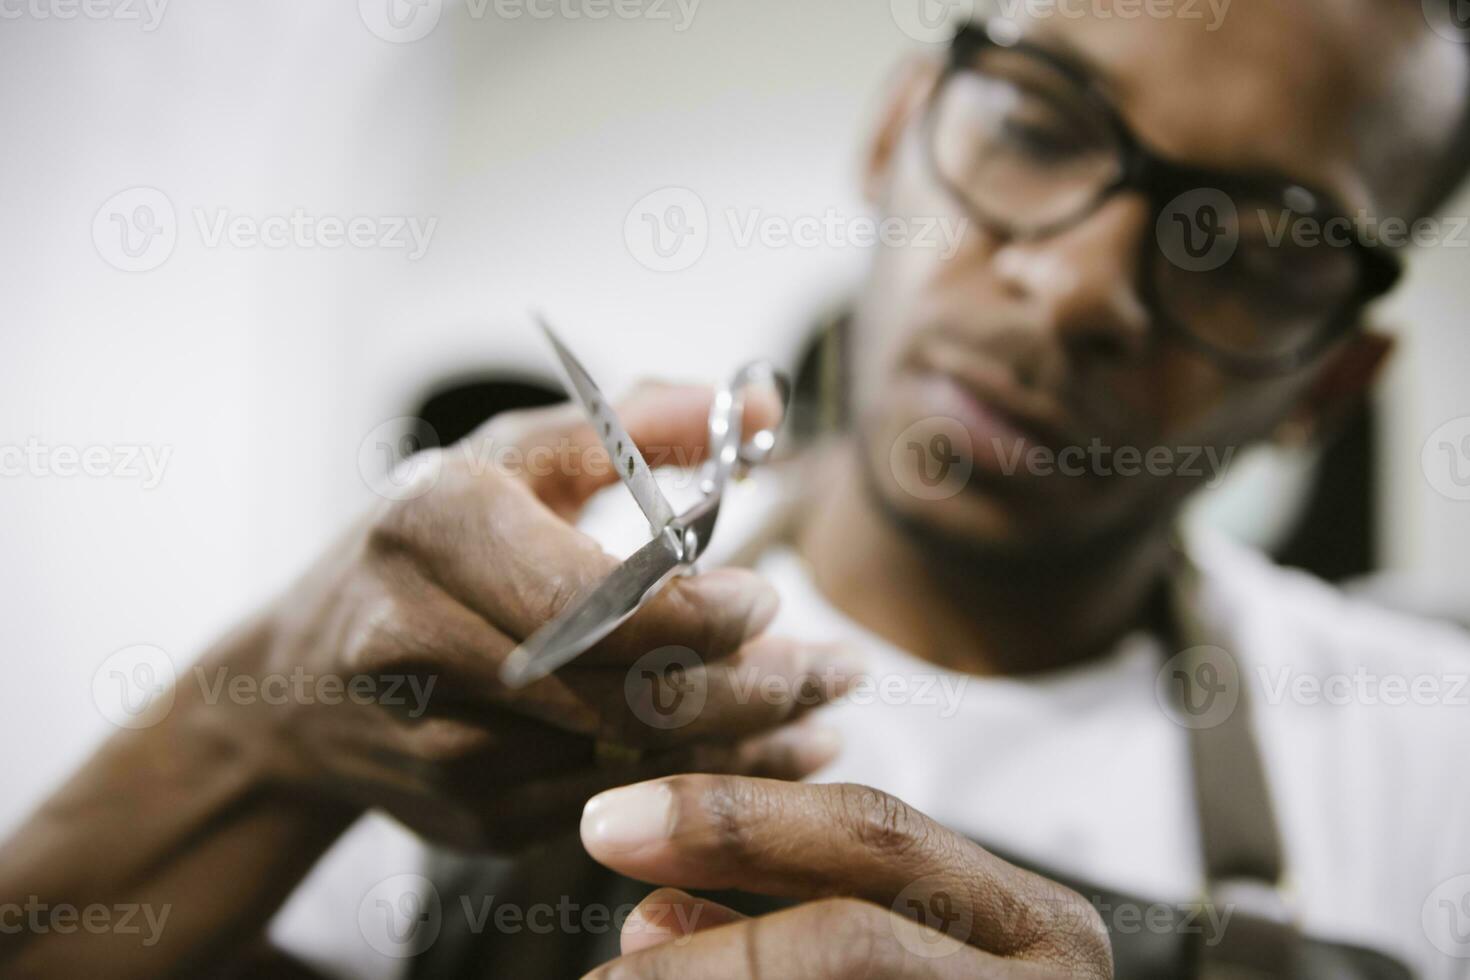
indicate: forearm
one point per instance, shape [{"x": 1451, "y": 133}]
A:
[{"x": 167, "y": 852}]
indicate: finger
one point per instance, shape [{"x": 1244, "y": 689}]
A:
[
  {"x": 698, "y": 622},
  {"x": 827, "y": 940},
  {"x": 563, "y": 460},
  {"x": 500, "y": 553},
  {"x": 713, "y": 613},
  {"x": 668, "y": 915},
  {"x": 791, "y": 753},
  {"x": 403, "y": 626},
  {"x": 454, "y": 748},
  {"x": 444, "y": 657},
  {"x": 813, "y": 841},
  {"x": 543, "y": 807},
  {"x": 670, "y": 696}
]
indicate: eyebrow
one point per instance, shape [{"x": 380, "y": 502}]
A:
[
  {"x": 1070, "y": 56},
  {"x": 1090, "y": 73}
]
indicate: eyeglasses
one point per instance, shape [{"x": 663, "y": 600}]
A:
[{"x": 1239, "y": 267}]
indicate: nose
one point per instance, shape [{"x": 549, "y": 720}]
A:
[{"x": 1083, "y": 284}]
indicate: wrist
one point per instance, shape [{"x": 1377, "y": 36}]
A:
[{"x": 244, "y": 727}]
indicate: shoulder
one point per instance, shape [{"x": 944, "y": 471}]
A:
[{"x": 1281, "y": 617}]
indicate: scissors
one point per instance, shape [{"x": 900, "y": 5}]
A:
[{"x": 677, "y": 539}]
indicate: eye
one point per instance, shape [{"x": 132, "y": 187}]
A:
[{"x": 1046, "y": 141}]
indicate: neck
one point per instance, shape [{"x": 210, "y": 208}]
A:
[{"x": 967, "y": 611}]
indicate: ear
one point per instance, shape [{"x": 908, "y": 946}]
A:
[
  {"x": 907, "y": 93},
  {"x": 1340, "y": 387}
]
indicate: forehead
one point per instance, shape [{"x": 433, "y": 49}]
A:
[{"x": 1354, "y": 96}]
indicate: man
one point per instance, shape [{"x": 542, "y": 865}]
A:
[{"x": 979, "y": 531}]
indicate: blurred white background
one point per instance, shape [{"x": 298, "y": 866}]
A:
[{"x": 260, "y": 371}]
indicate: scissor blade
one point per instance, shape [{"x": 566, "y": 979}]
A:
[
  {"x": 631, "y": 467},
  {"x": 576, "y": 628}
]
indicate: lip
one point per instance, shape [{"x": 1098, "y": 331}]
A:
[{"x": 994, "y": 398}]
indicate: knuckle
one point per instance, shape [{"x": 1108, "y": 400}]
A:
[
  {"x": 557, "y": 590},
  {"x": 396, "y": 530},
  {"x": 583, "y": 564},
  {"x": 716, "y": 808},
  {"x": 878, "y": 821},
  {"x": 427, "y": 524},
  {"x": 507, "y": 427},
  {"x": 726, "y": 808},
  {"x": 379, "y": 641},
  {"x": 1076, "y": 936}
]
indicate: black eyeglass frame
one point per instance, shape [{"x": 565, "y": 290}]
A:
[{"x": 1162, "y": 180}]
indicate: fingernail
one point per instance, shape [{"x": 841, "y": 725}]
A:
[
  {"x": 767, "y": 602},
  {"x": 628, "y": 818}
]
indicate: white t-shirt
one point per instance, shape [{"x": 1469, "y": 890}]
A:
[{"x": 1084, "y": 771}]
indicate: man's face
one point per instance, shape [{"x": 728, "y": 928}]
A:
[{"x": 999, "y": 358}]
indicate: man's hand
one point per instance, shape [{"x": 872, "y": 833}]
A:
[
  {"x": 887, "y": 891},
  {"x": 437, "y": 590},
  {"x": 375, "y": 682}
]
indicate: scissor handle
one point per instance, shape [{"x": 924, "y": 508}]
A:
[{"x": 728, "y": 455}]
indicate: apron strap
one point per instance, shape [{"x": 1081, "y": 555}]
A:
[{"x": 1240, "y": 844}]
